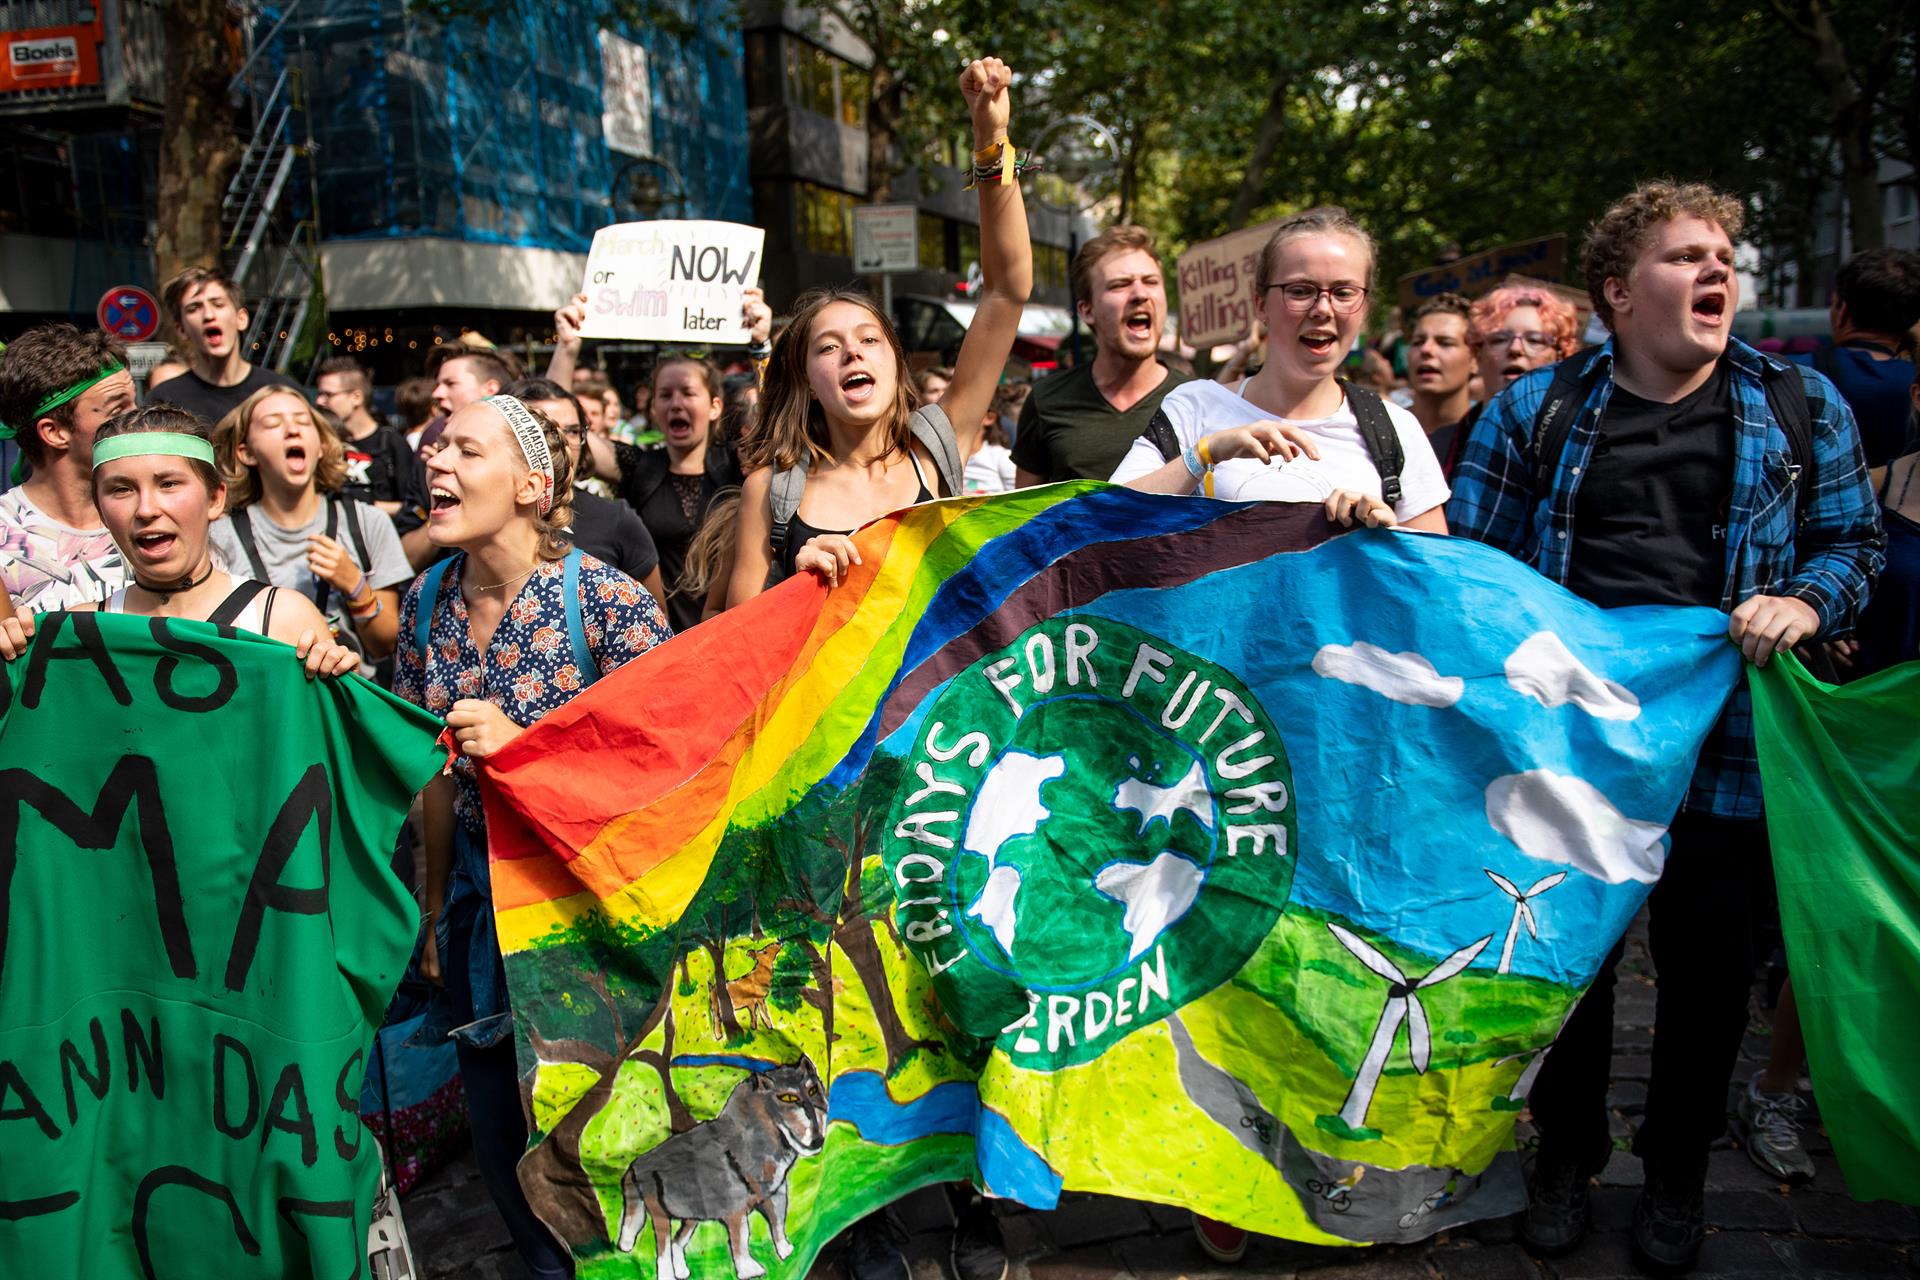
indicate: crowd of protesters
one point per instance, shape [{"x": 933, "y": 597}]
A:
[{"x": 1667, "y": 464}]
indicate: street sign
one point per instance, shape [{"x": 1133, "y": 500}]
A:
[
  {"x": 129, "y": 313},
  {"x": 886, "y": 238},
  {"x": 142, "y": 357}
]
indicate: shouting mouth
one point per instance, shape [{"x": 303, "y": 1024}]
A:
[
  {"x": 1319, "y": 342},
  {"x": 1139, "y": 325},
  {"x": 443, "y": 500},
  {"x": 1710, "y": 309},
  {"x": 857, "y": 387},
  {"x": 155, "y": 547}
]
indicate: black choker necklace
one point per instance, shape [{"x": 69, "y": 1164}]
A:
[{"x": 167, "y": 593}]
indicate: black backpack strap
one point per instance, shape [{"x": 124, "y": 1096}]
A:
[
  {"x": 1824, "y": 361},
  {"x": 320, "y": 585},
  {"x": 1559, "y": 410},
  {"x": 358, "y": 535},
  {"x": 1787, "y": 401},
  {"x": 243, "y": 525},
  {"x": 1383, "y": 442},
  {"x": 1161, "y": 435},
  {"x": 236, "y": 602}
]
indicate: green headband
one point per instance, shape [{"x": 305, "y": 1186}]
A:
[
  {"x": 58, "y": 398},
  {"x": 142, "y": 444}
]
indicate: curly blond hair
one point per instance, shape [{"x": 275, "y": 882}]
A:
[
  {"x": 1615, "y": 242},
  {"x": 243, "y": 482}
]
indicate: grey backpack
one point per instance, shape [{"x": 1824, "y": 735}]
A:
[{"x": 930, "y": 426}]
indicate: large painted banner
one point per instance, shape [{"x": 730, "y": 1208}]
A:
[
  {"x": 199, "y": 932},
  {"x": 1081, "y": 840}
]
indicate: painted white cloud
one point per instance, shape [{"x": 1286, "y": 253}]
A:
[
  {"x": 1544, "y": 669},
  {"x": 1557, "y": 818},
  {"x": 1404, "y": 677}
]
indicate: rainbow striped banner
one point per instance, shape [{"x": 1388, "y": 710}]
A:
[{"x": 1081, "y": 839}]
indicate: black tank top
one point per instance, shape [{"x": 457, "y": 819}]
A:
[{"x": 799, "y": 531}]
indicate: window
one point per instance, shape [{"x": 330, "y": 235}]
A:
[
  {"x": 828, "y": 85},
  {"x": 933, "y": 242},
  {"x": 855, "y": 85},
  {"x": 969, "y": 247},
  {"x": 825, "y": 219},
  {"x": 1049, "y": 266}
]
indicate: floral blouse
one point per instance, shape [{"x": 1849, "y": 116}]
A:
[{"x": 528, "y": 669}]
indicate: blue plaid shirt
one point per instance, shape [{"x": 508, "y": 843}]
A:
[{"x": 1829, "y": 562}]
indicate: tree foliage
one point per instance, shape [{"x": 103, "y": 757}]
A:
[{"x": 1437, "y": 122}]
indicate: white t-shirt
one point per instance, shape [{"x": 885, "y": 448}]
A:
[
  {"x": 1196, "y": 408},
  {"x": 990, "y": 470}
]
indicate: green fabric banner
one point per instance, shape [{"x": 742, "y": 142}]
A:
[
  {"x": 199, "y": 932},
  {"x": 1841, "y": 765}
]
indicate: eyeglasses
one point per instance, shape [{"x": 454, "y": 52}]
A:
[
  {"x": 1300, "y": 295},
  {"x": 1534, "y": 341},
  {"x": 574, "y": 433}
]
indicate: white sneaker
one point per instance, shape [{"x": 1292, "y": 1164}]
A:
[{"x": 1771, "y": 1123}]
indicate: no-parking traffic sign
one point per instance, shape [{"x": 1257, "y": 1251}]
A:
[{"x": 129, "y": 313}]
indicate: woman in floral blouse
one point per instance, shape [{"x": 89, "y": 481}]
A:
[{"x": 508, "y": 629}]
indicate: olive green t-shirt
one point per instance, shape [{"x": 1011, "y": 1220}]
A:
[{"x": 1068, "y": 430}]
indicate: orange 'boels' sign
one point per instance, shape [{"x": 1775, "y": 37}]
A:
[{"x": 48, "y": 58}]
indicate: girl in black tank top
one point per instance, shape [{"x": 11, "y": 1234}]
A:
[
  {"x": 835, "y": 419},
  {"x": 800, "y": 533}
]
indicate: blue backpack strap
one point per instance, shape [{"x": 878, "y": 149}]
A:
[
  {"x": 423, "y": 610},
  {"x": 576, "y": 627}
]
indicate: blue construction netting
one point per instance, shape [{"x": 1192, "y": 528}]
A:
[{"x": 491, "y": 131}]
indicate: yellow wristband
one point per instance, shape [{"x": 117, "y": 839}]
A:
[{"x": 1205, "y": 450}]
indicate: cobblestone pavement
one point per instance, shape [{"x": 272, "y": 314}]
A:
[{"x": 1756, "y": 1227}]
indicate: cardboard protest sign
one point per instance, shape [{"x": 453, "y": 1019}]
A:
[
  {"x": 666, "y": 281},
  {"x": 1010, "y": 859},
  {"x": 1216, "y": 286},
  {"x": 1545, "y": 257},
  {"x": 199, "y": 933}
]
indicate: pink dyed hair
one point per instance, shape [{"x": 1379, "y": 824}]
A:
[{"x": 1557, "y": 318}]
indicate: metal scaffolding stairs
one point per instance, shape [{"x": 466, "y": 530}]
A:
[{"x": 273, "y": 254}]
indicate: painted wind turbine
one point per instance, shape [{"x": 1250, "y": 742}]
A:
[
  {"x": 1521, "y": 911},
  {"x": 1403, "y": 1005}
]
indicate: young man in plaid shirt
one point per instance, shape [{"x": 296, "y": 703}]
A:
[{"x": 1674, "y": 477}]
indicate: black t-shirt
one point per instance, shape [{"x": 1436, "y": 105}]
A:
[
  {"x": 1650, "y": 517},
  {"x": 380, "y": 468},
  {"x": 645, "y": 484},
  {"x": 611, "y": 533},
  {"x": 193, "y": 392},
  {"x": 1069, "y": 431}
]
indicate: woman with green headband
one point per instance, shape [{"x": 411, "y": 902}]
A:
[{"x": 155, "y": 485}]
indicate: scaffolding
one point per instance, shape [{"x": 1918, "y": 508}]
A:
[{"x": 491, "y": 131}]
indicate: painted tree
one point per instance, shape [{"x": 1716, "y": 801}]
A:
[
  {"x": 552, "y": 1174},
  {"x": 828, "y": 844}
]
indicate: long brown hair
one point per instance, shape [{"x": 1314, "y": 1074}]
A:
[
  {"x": 243, "y": 481},
  {"x": 790, "y": 423}
]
